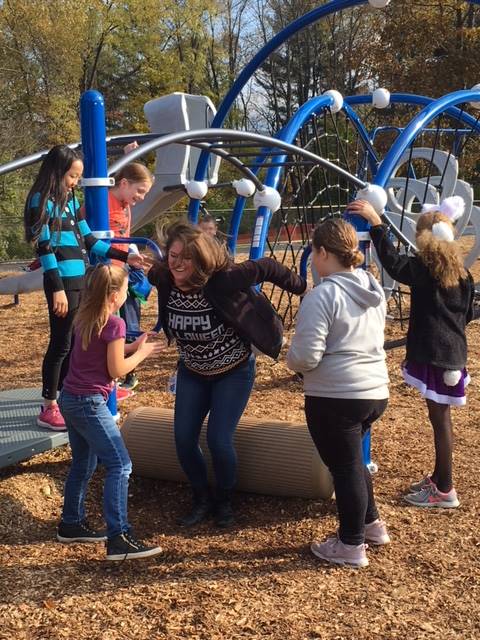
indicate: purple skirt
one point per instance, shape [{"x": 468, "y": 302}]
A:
[{"x": 429, "y": 381}]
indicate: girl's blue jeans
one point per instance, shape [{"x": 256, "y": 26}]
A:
[
  {"x": 94, "y": 434},
  {"x": 224, "y": 399}
]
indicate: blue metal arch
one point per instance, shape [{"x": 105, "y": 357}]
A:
[
  {"x": 445, "y": 104},
  {"x": 313, "y": 107},
  {"x": 412, "y": 98},
  {"x": 297, "y": 25},
  {"x": 287, "y": 134}
]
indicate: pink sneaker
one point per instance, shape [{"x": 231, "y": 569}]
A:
[
  {"x": 335, "y": 551},
  {"x": 430, "y": 497},
  {"x": 123, "y": 394},
  {"x": 376, "y": 532},
  {"x": 51, "y": 418}
]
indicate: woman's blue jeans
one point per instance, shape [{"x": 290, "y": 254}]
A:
[
  {"x": 94, "y": 434},
  {"x": 224, "y": 399}
]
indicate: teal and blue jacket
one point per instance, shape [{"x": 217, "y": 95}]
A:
[{"x": 64, "y": 254}]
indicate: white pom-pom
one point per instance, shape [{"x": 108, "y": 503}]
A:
[
  {"x": 452, "y": 378},
  {"x": 269, "y": 198},
  {"x": 381, "y": 98},
  {"x": 443, "y": 231},
  {"x": 453, "y": 207},
  {"x": 196, "y": 189},
  {"x": 475, "y": 105},
  {"x": 337, "y": 100},
  {"x": 375, "y": 195},
  {"x": 244, "y": 187},
  {"x": 378, "y": 4}
]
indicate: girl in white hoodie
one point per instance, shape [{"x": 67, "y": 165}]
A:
[{"x": 338, "y": 347}]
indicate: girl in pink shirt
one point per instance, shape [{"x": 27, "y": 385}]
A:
[{"x": 99, "y": 355}]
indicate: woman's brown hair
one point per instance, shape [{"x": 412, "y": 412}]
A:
[
  {"x": 340, "y": 238},
  {"x": 207, "y": 254},
  {"x": 101, "y": 280},
  {"x": 442, "y": 258}
]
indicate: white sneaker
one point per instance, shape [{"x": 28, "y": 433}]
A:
[
  {"x": 335, "y": 551},
  {"x": 376, "y": 533}
]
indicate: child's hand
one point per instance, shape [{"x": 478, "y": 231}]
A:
[
  {"x": 147, "y": 349},
  {"x": 130, "y": 147},
  {"x": 60, "y": 304},
  {"x": 365, "y": 209},
  {"x": 136, "y": 260},
  {"x": 133, "y": 346}
]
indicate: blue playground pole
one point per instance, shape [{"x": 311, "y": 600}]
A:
[
  {"x": 362, "y": 227},
  {"x": 96, "y": 181},
  {"x": 92, "y": 122}
]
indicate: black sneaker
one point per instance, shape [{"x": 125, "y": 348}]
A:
[
  {"x": 223, "y": 509},
  {"x": 130, "y": 382},
  {"x": 224, "y": 515},
  {"x": 79, "y": 532},
  {"x": 200, "y": 511},
  {"x": 126, "y": 547}
]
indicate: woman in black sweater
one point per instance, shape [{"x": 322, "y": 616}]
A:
[
  {"x": 207, "y": 304},
  {"x": 442, "y": 292}
]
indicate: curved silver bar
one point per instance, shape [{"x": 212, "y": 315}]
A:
[
  {"x": 14, "y": 165},
  {"x": 233, "y": 160},
  {"x": 217, "y": 135}
]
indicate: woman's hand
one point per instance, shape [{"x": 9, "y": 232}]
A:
[
  {"x": 365, "y": 209},
  {"x": 60, "y": 304}
]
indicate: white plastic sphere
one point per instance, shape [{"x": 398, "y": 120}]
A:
[
  {"x": 269, "y": 198},
  {"x": 372, "y": 467},
  {"x": 475, "y": 105},
  {"x": 375, "y": 195},
  {"x": 378, "y": 4},
  {"x": 381, "y": 98},
  {"x": 196, "y": 189},
  {"x": 244, "y": 187},
  {"x": 337, "y": 100}
]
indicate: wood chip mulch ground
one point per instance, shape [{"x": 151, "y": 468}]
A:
[{"x": 257, "y": 580}]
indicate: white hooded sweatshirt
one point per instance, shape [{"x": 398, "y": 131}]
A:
[{"x": 338, "y": 341}]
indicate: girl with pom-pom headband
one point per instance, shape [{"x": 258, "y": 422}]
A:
[
  {"x": 441, "y": 305},
  {"x": 451, "y": 208}
]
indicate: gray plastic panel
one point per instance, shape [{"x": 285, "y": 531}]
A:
[{"x": 20, "y": 438}]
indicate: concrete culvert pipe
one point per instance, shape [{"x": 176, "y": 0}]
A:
[{"x": 274, "y": 458}]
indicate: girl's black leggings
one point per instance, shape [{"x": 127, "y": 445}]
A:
[
  {"x": 337, "y": 426},
  {"x": 55, "y": 362}
]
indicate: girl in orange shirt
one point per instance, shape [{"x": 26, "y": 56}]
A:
[{"x": 132, "y": 183}]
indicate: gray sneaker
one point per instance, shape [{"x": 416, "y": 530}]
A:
[
  {"x": 431, "y": 497},
  {"x": 335, "y": 551},
  {"x": 421, "y": 484}
]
